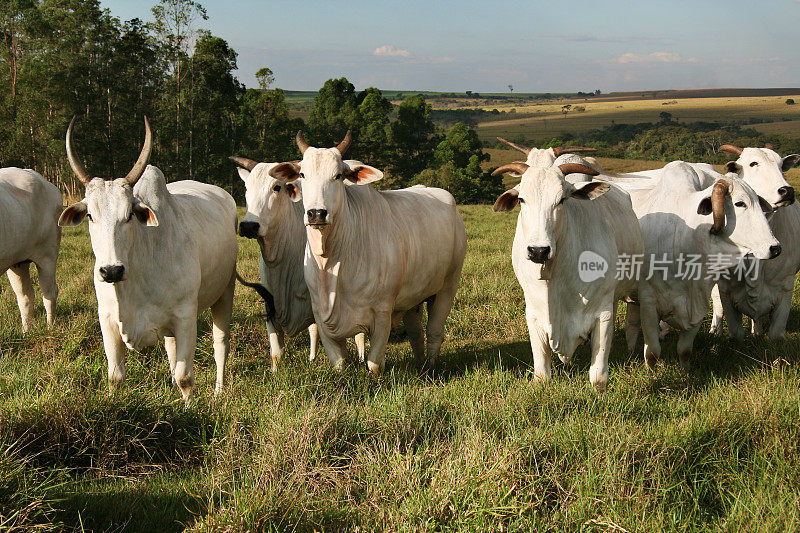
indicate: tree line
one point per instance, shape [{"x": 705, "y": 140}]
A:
[
  {"x": 667, "y": 140},
  {"x": 61, "y": 58}
]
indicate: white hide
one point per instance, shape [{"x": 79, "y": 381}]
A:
[
  {"x": 562, "y": 310},
  {"x": 29, "y": 210},
  {"x": 667, "y": 209},
  {"x": 175, "y": 269},
  {"x": 378, "y": 258},
  {"x": 282, "y": 239}
]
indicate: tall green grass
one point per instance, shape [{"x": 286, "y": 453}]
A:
[{"x": 478, "y": 447}]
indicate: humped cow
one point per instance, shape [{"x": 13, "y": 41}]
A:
[
  {"x": 276, "y": 222},
  {"x": 764, "y": 290},
  {"x": 163, "y": 253},
  {"x": 29, "y": 233},
  {"x": 560, "y": 227},
  {"x": 373, "y": 257},
  {"x": 695, "y": 229}
]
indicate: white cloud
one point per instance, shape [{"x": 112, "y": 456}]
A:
[
  {"x": 655, "y": 57},
  {"x": 392, "y": 51}
]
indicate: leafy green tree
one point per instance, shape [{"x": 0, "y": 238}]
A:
[
  {"x": 213, "y": 100},
  {"x": 457, "y": 168},
  {"x": 413, "y": 138},
  {"x": 372, "y": 144},
  {"x": 458, "y": 146},
  {"x": 265, "y": 131},
  {"x": 335, "y": 111},
  {"x": 174, "y": 22}
]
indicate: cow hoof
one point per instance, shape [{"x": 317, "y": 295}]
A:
[
  {"x": 374, "y": 368},
  {"x": 598, "y": 380}
]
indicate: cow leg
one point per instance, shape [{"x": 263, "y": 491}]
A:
[
  {"x": 540, "y": 349},
  {"x": 334, "y": 349},
  {"x": 379, "y": 337},
  {"x": 48, "y": 286},
  {"x": 172, "y": 354},
  {"x": 361, "y": 346},
  {"x": 186, "y": 344},
  {"x": 276, "y": 342},
  {"x": 717, "y": 312},
  {"x": 732, "y": 316},
  {"x": 650, "y": 331},
  {"x": 633, "y": 324},
  {"x": 437, "y": 317},
  {"x": 416, "y": 337},
  {"x": 313, "y": 341},
  {"x": 685, "y": 343},
  {"x": 20, "y": 278},
  {"x": 115, "y": 352},
  {"x": 780, "y": 315},
  {"x": 221, "y": 313},
  {"x": 602, "y": 334}
]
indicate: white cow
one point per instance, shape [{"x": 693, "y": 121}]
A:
[
  {"x": 688, "y": 219},
  {"x": 555, "y": 156},
  {"x": 766, "y": 294},
  {"x": 373, "y": 257},
  {"x": 276, "y": 222},
  {"x": 163, "y": 253},
  {"x": 29, "y": 233},
  {"x": 561, "y": 229}
]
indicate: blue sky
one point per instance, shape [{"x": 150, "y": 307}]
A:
[{"x": 484, "y": 46}]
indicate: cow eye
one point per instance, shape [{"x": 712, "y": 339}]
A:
[
  {"x": 130, "y": 216},
  {"x": 740, "y": 204},
  {"x": 339, "y": 176},
  {"x": 302, "y": 175},
  {"x": 754, "y": 164},
  {"x": 276, "y": 188},
  {"x": 521, "y": 200},
  {"x": 89, "y": 217}
]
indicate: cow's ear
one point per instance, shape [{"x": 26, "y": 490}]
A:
[
  {"x": 507, "y": 201},
  {"x": 285, "y": 171},
  {"x": 144, "y": 214},
  {"x": 243, "y": 173},
  {"x": 704, "y": 208},
  {"x": 766, "y": 207},
  {"x": 789, "y": 161},
  {"x": 733, "y": 166},
  {"x": 73, "y": 215},
  {"x": 592, "y": 190},
  {"x": 294, "y": 192},
  {"x": 362, "y": 174}
]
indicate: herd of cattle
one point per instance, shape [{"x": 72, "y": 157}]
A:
[{"x": 343, "y": 259}]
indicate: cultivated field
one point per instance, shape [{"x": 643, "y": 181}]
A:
[
  {"x": 547, "y": 120},
  {"x": 478, "y": 447}
]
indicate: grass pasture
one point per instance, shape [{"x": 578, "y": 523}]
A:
[{"x": 479, "y": 447}]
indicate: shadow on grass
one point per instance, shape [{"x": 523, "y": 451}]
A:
[{"x": 123, "y": 506}]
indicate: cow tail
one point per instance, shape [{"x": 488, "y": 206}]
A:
[{"x": 269, "y": 301}]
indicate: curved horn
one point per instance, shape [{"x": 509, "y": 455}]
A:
[
  {"x": 301, "y": 143},
  {"x": 519, "y": 168},
  {"x": 523, "y": 149},
  {"x": 243, "y": 162},
  {"x": 74, "y": 161},
  {"x": 718, "y": 194},
  {"x": 730, "y": 148},
  {"x": 345, "y": 144},
  {"x": 141, "y": 163},
  {"x": 561, "y": 150},
  {"x": 577, "y": 168}
]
